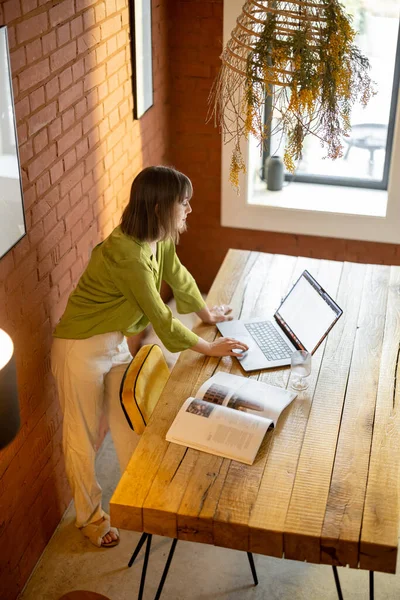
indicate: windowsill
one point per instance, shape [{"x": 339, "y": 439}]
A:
[{"x": 322, "y": 198}]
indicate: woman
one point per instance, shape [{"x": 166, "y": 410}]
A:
[{"x": 117, "y": 296}]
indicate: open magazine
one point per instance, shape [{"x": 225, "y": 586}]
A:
[{"x": 229, "y": 416}]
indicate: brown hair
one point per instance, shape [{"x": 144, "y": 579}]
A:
[{"x": 160, "y": 187}]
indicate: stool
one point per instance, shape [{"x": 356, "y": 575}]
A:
[{"x": 83, "y": 595}]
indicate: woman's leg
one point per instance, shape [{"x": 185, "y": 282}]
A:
[
  {"x": 79, "y": 367},
  {"x": 125, "y": 440}
]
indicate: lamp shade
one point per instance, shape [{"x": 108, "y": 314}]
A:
[{"x": 9, "y": 405}]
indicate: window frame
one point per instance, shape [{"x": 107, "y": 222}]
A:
[{"x": 349, "y": 181}]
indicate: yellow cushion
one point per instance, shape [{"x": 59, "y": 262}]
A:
[{"x": 142, "y": 384}]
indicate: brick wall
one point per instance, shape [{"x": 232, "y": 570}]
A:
[
  {"x": 195, "y": 49},
  {"x": 80, "y": 149}
]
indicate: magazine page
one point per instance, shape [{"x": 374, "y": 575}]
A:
[
  {"x": 217, "y": 430},
  {"x": 247, "y": 395}
]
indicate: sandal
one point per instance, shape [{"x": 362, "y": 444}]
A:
[{"x": 95, "y": 533}]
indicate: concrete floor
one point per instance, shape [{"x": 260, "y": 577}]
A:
[{"x": 198, "y": 571}]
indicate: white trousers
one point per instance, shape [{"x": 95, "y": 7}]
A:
[{"x": 88, "y": 375}]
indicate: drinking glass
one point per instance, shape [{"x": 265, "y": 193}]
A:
[{"x": 301, "y": 367}]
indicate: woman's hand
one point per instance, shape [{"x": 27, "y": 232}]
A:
[
  {"x": 222, "y": 346},
  {"x": 216, "y": 314}
]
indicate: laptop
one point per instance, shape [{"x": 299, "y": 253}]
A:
[{"x": 303, "y": 320}]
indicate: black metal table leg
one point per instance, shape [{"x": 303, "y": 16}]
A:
[
  {"x": 252, "y": 567},
  {"x": 166, "y": 569},
  {"x": 371, "y": 585},
  {"x": 337, "y": 581},
  {"x": 144, "y": 569},
  {"x": 138, "y": 548}
]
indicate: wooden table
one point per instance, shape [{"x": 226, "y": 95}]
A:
[{"x": 324, "y": 486}]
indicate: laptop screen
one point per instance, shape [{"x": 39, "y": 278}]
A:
[{"x": 307, "y": 313}]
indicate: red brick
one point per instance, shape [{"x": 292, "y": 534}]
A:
[
  {"x": 82, "y": 148},
  {"x": 65, "y": 283},
  {"x": 42, "y": 118},
  {"x": 100, "y": 11},
  {"x": 49, "y": 42},
  {"x": 70, "y": 159},
  {"x": 40, "y": 140},
  {"x": 55, "y": 129},
  {"x": 32, "y": 27},
  {"x": 33, "y": 75},
  {"x": 26, "y": 152},
  {"x": 36, "y": 99},
  {"x": 116, "y": 62},
  {"x": 80, "y": 109},
  {"x": 76, "y": 193},
  {"x": 82, "y": 4},
  {"x": 51, "y": 240},
  {"x": 68, "y": 119},
  {"x": 92, "y": 119},
  {"x": 63, "y": 207},
  {"x": 110, "y": 27},
  {"x": 69, "y": 139},
  {"x": 52, "y": 88},
  {"x": 62, "y": 12},
  {"x": 63, "y": 56},
  {"x": 63, "y": 34},
  {"x": 34, "y": 50},
  {"x": 95, "y": 77},
  {"x": 43, "y": 184},
  {"x": 18, "y": 59},
  {"x": 41, "y": 163},
  {"x": 28, "y": 6},
  {"x": 111, "y": 45},
  {"x": 70, "y": 96},
  {"x": 29, "y": 197},
  {"x": 78, "y": 69},
  {"x": 88, "y": 18},
  {"x": 111, "y": 7},
  {"x": 12, "y": 10},
  {"x": 56, "y": 171},
  {"x": 76, "y": 270},
  {"x": 71, "y": 179},
  {"x": 50, "y": 220},
  {"x": 20, "y": 272},
  {"x": 65, "y": 78},
  {"x": 65, "y": 263},
  {"x": 76, "y": 26},
  {"x": 65, "y": 244},
  {"x": 36, "y": 234},
  {"x": 11, "y": 36}
]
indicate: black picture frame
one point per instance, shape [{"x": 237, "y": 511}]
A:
[
  {"x": 141, "y": 56},
  {"x": 12, "y": 214}
]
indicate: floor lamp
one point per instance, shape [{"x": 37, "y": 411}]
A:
[{"x": 9, "y": 405}]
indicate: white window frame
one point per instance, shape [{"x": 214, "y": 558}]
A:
[{"x": 258, "y": 209}]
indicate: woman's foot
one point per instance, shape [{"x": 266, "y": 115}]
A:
[
  {"x": 101, "y": 534},
  {"x": 110, "y": 536}
]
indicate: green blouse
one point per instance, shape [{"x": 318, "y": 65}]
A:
[{"x": 120, "y": 291}]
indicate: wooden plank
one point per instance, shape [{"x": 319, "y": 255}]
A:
[
  {"x": 303, "y": 525},
  {"x": 163, "y": 501},
  {"x": 241, "y": 506},
  {"x": 268, "y": 517},
  {"x": 342, "y": 525},
  {"x": 379, "y": 535},
  {"x": 196, "y": 512},
  {"x": 126, "y": 504}
]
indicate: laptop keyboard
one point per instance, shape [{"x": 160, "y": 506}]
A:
[{"x": 269, "y": 341}]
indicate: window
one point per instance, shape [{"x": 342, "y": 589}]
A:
[
  {"x": 367, "y": 151},
  {"x": 316, "y": 208}
]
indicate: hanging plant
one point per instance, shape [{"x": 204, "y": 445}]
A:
[{"x": 302, "y": 55}]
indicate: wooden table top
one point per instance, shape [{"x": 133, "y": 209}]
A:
[{"x": 324, "y": 486}]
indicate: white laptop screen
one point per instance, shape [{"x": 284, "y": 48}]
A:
[{"x": 308, "y": 312}]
